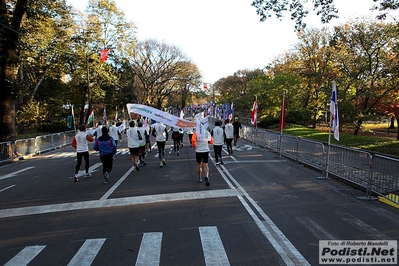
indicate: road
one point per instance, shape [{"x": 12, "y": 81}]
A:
[{"x": 260, "y": 209}]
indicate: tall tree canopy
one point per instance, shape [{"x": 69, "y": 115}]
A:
[{"x": 299, "y": 10}]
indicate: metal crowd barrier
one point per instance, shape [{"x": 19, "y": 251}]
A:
[
  {"x": 24, "y": 148},
  {"x": 377, "y": 174}
]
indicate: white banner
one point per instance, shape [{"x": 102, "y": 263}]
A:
[{"x": 160, "y": 116}]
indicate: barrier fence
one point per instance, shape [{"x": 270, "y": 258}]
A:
[
  {"x": 377, "y": 174},
  {"x": 24, "y": 148}
]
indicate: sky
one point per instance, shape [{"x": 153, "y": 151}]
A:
[{"x": 222, "y": 36}]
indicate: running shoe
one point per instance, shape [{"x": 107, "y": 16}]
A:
[
  {"x": 136, "y": 167},
  {"x": 161, "y": 165},
  {"x": 164, "y": 162},
  {"x": 217, "y": 163},
  {"x": 221, "y": 162},
  {"x": 199, "y": 179},
  {"x": 106, "y": 177},
  {"x": 207, "y": 181},
  {"x": 76, "y": 179}
]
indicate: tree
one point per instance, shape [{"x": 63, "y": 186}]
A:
[
  {"x": 159, "y": 70},
  {"x": 237, "y": 89},
  {"x": 266, "y": 9},
  {"x": 364, "y": 54},
  {"x": 315, "y": 66},
  {"x": 12, "y": 14},
  {"x": 40, "y": 80},
  {"x": 298, "y": 10},
  {"x": 103, "y": 27}
]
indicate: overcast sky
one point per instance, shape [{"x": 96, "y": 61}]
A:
[{"x": 221, "y": 36}]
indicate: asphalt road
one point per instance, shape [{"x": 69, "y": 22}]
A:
[{"x": 260, "y": 209}]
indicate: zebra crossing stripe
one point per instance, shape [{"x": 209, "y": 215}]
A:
[
  {"x": 150, "y": 250},
  {"x": 212, "y": 245},
  {"x": 87, "y": 252},
  {"x": 25, "y": 256}
]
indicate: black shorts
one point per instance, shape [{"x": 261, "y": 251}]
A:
[
  {"x": 134, "y": 151},
  {"x": 202, "y": 157}
]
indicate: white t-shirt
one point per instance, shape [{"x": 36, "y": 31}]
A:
[
  {"x": 160, "y": 132},
  {"x": 113, "y": 132},
  {"x": 132, "y": 137},
  {"x": 229, "y": 131},
  {"x": 218, "y": 137}
]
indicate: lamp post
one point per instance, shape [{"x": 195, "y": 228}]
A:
[{"x": 88, "y": 60}]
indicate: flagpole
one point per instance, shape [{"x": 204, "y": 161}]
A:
[
  {"x": 73, "y": 119},
  {"x": 333, "y": 98},
  {"x": 282, "y": 122},
  {"x": 256, "y": 120}
]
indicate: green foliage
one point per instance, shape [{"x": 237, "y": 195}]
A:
[{"x": 53, "y": 127}]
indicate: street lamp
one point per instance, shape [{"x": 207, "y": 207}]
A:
[{"x": 88, "y": 60}]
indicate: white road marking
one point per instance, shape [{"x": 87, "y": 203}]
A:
[
  {"x": 87, "y": 252},
  {"x": 73, "y": 206},
  {"x": 287, "y": 251},
  {"x": 91, "y": 170},
  {"x": 4, "y": 189},
  {"x": 15, "y": 173},
  {"x": 214, "y": 252},
  {"x": 315, "y": 229},
  {"x": 150, "y": 250},
  {"x": 116, "y": 185},
  {"x": 25, "y": 256},
  {"x": 362, "y": 226},
  {"x": 255, "y": 161}
]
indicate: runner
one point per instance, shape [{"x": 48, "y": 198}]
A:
[
  {"x": 229, "y": 135},
  {"x": 133, "y": 143},
  {"x": 161, "y": 135},
  {"x": 80, "y": 143},
  {"x": 200, "y": 140},
  {"x": 144, "y": 134},
  {"x": 176, "y": 140},
  {"x": 107, "y": 149},
  {"x": 218, "y": 140},
  {"x": 237, "y": 126}
]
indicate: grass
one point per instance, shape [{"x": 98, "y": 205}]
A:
[{"x": 372, "y": 143}]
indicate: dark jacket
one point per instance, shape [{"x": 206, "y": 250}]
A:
[{"x": 105, "y": 145}]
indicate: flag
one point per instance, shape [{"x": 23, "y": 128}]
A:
[
  {"x": 205, "y": 86},
  {"x": 91, "y": 116},
  {"x": 123, "y": 113},
  {"x": 104, "y": 55},
  {"x": 334, "y": 121},
  {"x": 283, "y": 113},
  {"x": 254, "y": 112},
  {"x": 105, "y": 116},
  {"x": 231, "y": 112},
  {"x": 116, "y": 113}
]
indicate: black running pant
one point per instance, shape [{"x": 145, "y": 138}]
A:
[
  {"x": 79, "y": 156},
  {"x": 107, "y": 161}
]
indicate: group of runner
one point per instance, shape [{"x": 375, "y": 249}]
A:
[{"x": 138, "y": 142}]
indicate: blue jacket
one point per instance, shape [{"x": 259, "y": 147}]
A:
[{"x": 105, "y": 145}]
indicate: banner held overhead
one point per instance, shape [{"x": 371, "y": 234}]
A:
[{"x": 160, "y": 116}]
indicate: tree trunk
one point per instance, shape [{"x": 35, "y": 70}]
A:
[
  {"x": 8, "y": 62},
  {"x": 397, "y": 135},
  {"x": 392, "y": 122},
  {"x": 358, "y": 126}
]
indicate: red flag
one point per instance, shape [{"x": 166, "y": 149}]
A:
[
  {"x": 205, "y": 86},
  {"x": 104, "y": 55},
  {"x": 282, "y": 114},
  {"x": 254, "y": 113}
]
